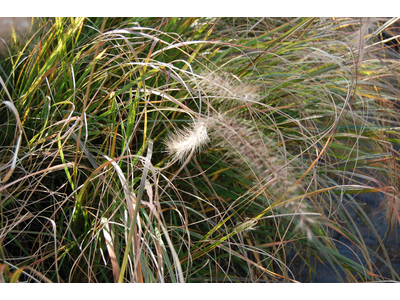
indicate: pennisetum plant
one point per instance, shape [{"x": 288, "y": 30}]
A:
[{"x": 199, "y": 149}]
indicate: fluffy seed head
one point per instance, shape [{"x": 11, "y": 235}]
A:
[
  {"x": 392, "y": 207},
  {"x": 223, "y": 87},
  {"x": 185, "y": 141}
]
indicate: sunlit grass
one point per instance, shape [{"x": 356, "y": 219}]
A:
[{"x": 198, "y": 150}]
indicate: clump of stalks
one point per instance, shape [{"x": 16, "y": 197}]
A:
[{"x": 198, "y": 149}]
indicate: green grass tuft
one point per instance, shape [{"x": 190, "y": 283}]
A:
[{"x": 199, "y": 150}]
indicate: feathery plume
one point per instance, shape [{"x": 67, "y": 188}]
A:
[
  {"x": 366, "y": 24},
  {"x": 185, "y": 141},
  {"x": 223, "y": 86},
  {"x": 392, "y": 207}
]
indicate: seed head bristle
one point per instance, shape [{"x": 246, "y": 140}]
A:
[
  {"x": 183, "y": 142},
  {"x": 223, "y": 86}
]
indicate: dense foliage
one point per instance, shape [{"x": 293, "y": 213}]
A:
[{"x": 199, "y": 150}]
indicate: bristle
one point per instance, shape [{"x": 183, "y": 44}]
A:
[
  {"x": 222, "y": 87},
  {"x": 393, "y": 210},
  {"x": 361, "y": 34},
  {"x": 183, "y": 142}
]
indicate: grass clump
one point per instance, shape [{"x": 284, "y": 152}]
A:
[{"x": 198, "y": 149}]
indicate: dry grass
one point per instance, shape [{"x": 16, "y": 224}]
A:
[{"x": 277, "y": 125}]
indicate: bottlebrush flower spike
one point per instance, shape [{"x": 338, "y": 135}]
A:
[{"x": 183, "y": 142}]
